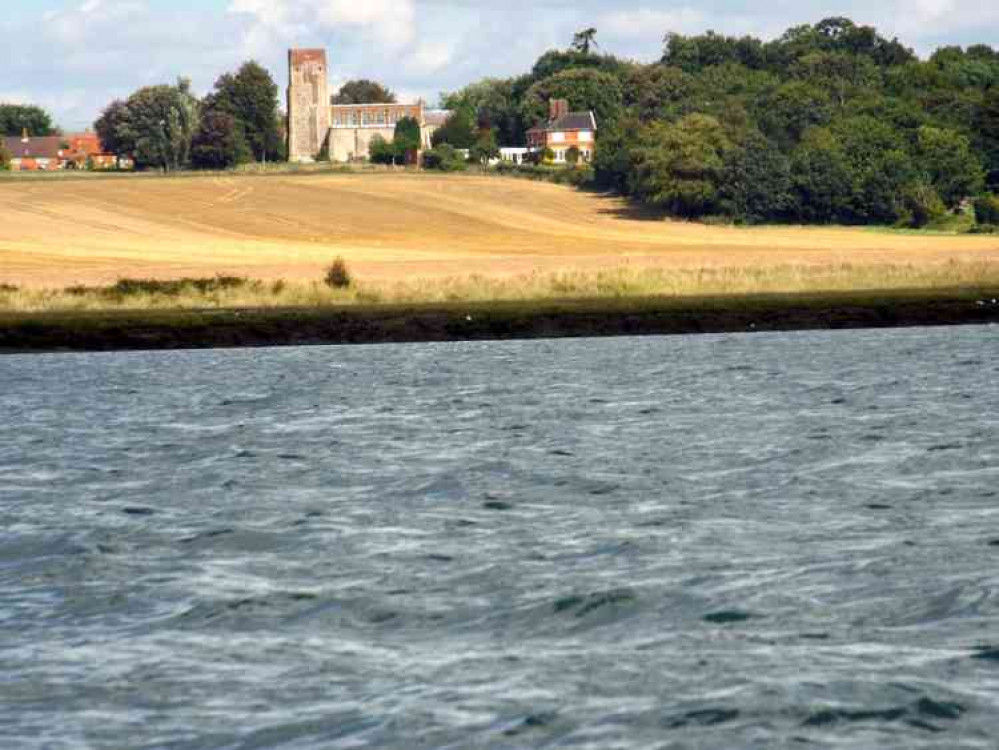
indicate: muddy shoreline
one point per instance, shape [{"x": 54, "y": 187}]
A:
[{"x": 197, "y": 329}]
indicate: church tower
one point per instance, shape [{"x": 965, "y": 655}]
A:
[{"x": 308, "y": 103}]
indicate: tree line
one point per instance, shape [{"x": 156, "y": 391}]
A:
[
  {"x": 831, "y": 122},
  {"x": 168, "y": 127}
]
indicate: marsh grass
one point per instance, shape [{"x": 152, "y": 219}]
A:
[{"x": 616, "y": 283}]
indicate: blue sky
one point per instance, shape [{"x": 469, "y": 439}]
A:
[{"x": 74, "y": 56}]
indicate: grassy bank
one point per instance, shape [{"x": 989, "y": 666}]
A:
[
  {"x": 617, "y": 283},
  {"x": 365, "y": 323}
]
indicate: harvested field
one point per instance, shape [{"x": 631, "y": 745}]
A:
[{"x": 394, "y": 228}]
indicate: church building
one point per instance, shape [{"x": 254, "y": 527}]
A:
[{"x": 315, "y": 124}]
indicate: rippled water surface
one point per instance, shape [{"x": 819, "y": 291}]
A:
[{"x": 696, "y": 542}]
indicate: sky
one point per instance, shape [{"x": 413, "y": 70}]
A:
[{"x": 75, "y": 56}]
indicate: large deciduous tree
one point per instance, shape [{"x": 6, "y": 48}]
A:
[
  {"x": 219, "y": 142},
  {"x": 250, "y": 96},
  {"x": 681, "y": 167},
  {"x": 363, "y": 91},
  {"x": 154, "y": 126},
  {"x": 17, "y": 118},
  {"x": 946, "y": 158},
  {"x": 458, "y": 129},
  {"x": 407, "y": 139},
  {"x": 757, "y": 185},
  {"x": 584, "y": 88}
]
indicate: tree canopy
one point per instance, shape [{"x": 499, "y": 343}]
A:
[
  {"x": 250, "y": 97},
  {"x": 828, "y": 122},
  {"x": 154, "y": 126},
  {"x": 16, "y": 118},
  {"x": 363, "y": 91},
  {"x": 167, "y": 127}
]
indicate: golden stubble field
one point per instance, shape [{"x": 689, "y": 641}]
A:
[{"x": 394, "y": 227}]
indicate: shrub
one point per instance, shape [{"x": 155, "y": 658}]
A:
[
  {"x": 8, "y": 289},
  {"x": 174, "y": 287},
  {"x": 444, "y": 158},
  {"x": 984, "y": 229},
  {"x": 987, "y": 210},
  {"x": 338, "y": 275},
  {"x": 923, "y": 205},
  {"x": 381, "y": 151},
  {"x": 572, "y": 155}
]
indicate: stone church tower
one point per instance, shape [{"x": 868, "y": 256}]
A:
[{"x": 308, "y": 104}]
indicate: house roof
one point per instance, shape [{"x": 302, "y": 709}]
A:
[
  {"x": 575, "y": 121},
  {"x": 571, "y": 121},
  {"x": 46, "y": 147}
]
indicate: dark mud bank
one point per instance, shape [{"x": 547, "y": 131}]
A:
[{"x": 192, "y": 329}]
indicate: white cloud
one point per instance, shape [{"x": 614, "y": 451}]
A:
[
  {"x": 78, "y": 57},
  {"x": 429, "y": 57},
  {"x": 387, "y": 22},
  {"x": 649, "y": 22}
]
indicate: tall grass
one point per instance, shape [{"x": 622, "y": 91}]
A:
[{"x": 620, "y": 282}]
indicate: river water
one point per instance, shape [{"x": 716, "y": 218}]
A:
[{"x": 740, "y": 541}]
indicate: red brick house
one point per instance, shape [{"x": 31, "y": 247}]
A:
[
  {"x": 33, "y": 154},
  {"x": 85, "y": 152},
  {"x": 53, "y": 152},
  {"x": 563, "y": 130}
]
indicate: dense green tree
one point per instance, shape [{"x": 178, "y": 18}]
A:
[
  {"x": 458, "y": 129},
  {"x": 840, "y": 34},
  {"x": 793, "y": 108},
  {"x": 112, "y": 128},
  {"x": 4, "y": 157},
  {"x": 946, "y": 158},
  {"x": 656, "y": 92},
  {"x": 16, "y": 118},
  {"x": 694, "y": 53},
  {"x": 154, "y": 126},
  {"x": 987, "y": 135},
  {"x": 756, "y": 184},
  {"x": 492, "y": 103},
  {"x": 408, "y": 140},
  {"x": 882, "y": 187},
  {"x": 485, "y": 148},
  {"x": 585, "y": 89},
  {"x": 613, "y": 161},
  {"x": 219, "y": 142},
  {"x": 822, "y": 178},
  {"x": 681, "y": 167},
  {"x": 922, "y": 205},
  {"x": 363, "y": 91},
  {"x": 250, "y": 96},
  {"x": 557, "y": 61}
]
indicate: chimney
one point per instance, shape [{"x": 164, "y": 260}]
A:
[{"x": 557, "y": 109}]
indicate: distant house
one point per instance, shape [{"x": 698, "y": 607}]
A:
[
  {"x": 563, "y": 131},
  {"x": 29, "y": 154},
  {"x": 515, "y": 155},
  {"x": 86, "y": 152},
  {"x": 53, "y": 152}
]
